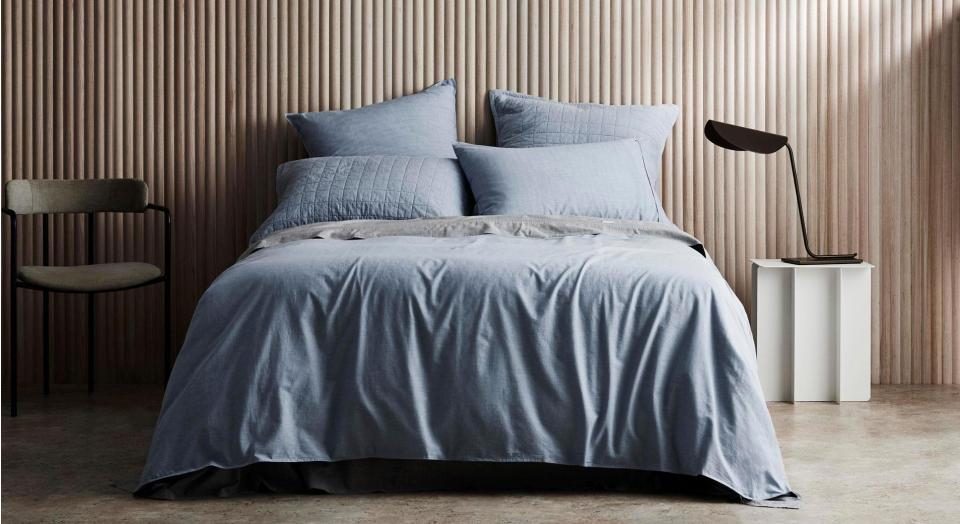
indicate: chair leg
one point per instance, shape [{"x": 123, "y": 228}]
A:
[
  {"x": 46, "y": 343},
  {"x": 167, "y": 335},
  {"x": 91, "y": 340},
  {"x": 13, "y": 349}
]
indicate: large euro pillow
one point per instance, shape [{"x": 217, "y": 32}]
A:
[
  {"x": 603, "y": 179},
  {"x": 421, "y": 124},
  {"x": 366, "y": 187},
  {"x": 529, "y": 121}
]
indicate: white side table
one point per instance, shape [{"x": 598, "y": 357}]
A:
[{"x": 812, "y": 328}]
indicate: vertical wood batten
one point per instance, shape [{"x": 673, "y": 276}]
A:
[{"x": 190, "y": 97}]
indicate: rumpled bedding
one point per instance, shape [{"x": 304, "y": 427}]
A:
[{"x": 555, "y": 340}]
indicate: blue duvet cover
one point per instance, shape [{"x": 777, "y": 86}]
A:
[{"x": 572, "y": 341}]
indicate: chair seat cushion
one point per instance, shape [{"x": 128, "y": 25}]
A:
[{"x": 96, "y": 277}]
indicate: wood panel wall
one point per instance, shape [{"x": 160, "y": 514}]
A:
[{"x": 190, "y": 97}]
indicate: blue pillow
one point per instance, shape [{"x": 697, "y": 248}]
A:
[
  {"x": 366, "y": 187},
  {"x": 528, "y": 121},
  {"x": 603, "y": 179},
  {"x": 421, "y": 124}
]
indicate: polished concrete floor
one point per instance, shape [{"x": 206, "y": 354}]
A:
[{"x": 894, "y": 459}]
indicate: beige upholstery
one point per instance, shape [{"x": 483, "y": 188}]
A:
[
  {"x": 75, "y": 196},
  {"x": 96, "y": 277}
]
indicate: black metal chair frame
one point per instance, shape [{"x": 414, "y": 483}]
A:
[{"x": 16, "y": 283}]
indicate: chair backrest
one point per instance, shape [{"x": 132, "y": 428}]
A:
[{"x": 123, "y": 195}]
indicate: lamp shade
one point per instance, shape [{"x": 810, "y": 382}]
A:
[{"x": 736, "y": 138}]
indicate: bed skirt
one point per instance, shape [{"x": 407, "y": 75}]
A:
[{"x": 382, "y": 475}]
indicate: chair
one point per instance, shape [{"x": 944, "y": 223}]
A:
[{"x": 25, "y": 197}]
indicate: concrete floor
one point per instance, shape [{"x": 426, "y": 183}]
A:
[{"x": 894, "y": 459}]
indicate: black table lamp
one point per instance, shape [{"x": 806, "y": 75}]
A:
[{"x": 736, "y": 138}]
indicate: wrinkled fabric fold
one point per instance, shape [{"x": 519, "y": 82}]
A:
[{"x": 578, "y": 342}]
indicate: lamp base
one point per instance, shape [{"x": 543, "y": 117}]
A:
[{"x": 821, "y": 261}]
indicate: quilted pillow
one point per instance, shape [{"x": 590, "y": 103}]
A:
[
  {"x": 366, "y": 187},
  {"x": 529, "y": 121},
  {"x": 604, "y": 179},
  {"x": 421, "y": 124}
]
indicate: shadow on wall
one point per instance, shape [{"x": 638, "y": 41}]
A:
[{"x": 914, "y": 204}]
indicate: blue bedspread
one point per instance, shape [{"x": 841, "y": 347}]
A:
[{"x": 569, "y": 341}]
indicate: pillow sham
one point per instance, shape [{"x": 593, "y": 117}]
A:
[
  {"x": 421, "y": 124},
  {"x": 366, "y": 187},
  {"x": 602, "y": 179},
  {"x": 528, "y": 121}
]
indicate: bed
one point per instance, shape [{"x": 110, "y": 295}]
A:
[
  {"x": 423, "y": 314},
  {"x": 371, "y": 355}
]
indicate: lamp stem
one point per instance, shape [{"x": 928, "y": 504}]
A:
[
  {"x": 796, "y": 187},
  {"x": 803, "y": 222}
]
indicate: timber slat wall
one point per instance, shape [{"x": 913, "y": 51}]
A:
[{"x": 190, "y": 97}]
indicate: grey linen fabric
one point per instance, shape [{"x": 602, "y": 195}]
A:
[
  {"x": 366, "y": 187},
  {"x": 527, "y": 226},
  {"x": 96, "y": 277},
  {"x": 528, "y": 121},
  {"x": 604, "y": 179},
  {"x": 420, "y": 124},
  {"x": 75, "y": 196},
  {"x": 618, "y": 350}
]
